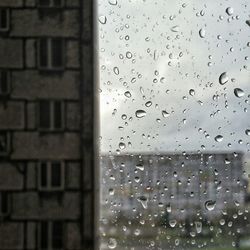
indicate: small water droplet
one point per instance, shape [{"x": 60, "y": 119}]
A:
[
  {"x": 229, "y": 11},
  {"x": 198, "y": 226},
  {"x": 172, "y": 223},
  {"x": 192, "y": 92},
  {"x": 113, "y": 2},
  {"x": 202, "y": 33},
  {"x": 122, "y": 145},
  {"x": 102, "y": 19},
  {"x": 175, "y": 28},
  {"x": 210, "y": 205},
  {"x": 140, "y": 113},
  {"x": 248, "y": 22},
  {"x": 112, "y": 243},
  {"x": 127, "y": 94},
  {"x": 239, "y": 92},
  {"x": 140, "y": 166},
  {"x": 116, "y": 70},
  {"x": 219, "y": 138},
  {"x": 223, "y": 78},
  {"x": 144, "y": 201},
  {"x": 165, "y": 113},
  {"x": 148, "y": 104},
  {"x": 247, "y": 131}
]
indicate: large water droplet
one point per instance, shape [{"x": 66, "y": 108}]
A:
[
  {"x": 229, "y": 11},
  {"x": 198, "y": 226},
  {"x": 113, "y": 2},
  {"x": 218, "y": 138},
  {"x": 140, "y": 113},
  {"x": 223, "y": 78},
  {"x": 202, "y": 33},
  {"x": 172, "y": 223},
  {"x": 148, "y": 104},
  {"x": 248, "y": 22},
  {"x": 210, "y": 205},
  {"x": 144, "y": 201},
  {"x": 112, "y": 243},
  {"x": 239, "y": 92}
]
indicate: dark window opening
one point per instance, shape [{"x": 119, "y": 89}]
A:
[
  {"x": 4, "y": 143},
  {"x": 4, "y": 83},
  {"x": 44, "y": 235},
  {"x": 4, "y": 203},
  {"x": 57, "y": 235},
  {"x": 44, "y": 115},
  {"x": 55, "y": 174},
  {"x": 4, "y": 19}
]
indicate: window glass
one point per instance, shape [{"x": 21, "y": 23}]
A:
[
  {"x": 57, "y": 235},
  {"x": 57, "y": 52},
  {"x": 44, "y": 114},
  {"x": 56, "y": 174},
  {"x": 174, "y": 124},
  {"x": 4, "y": 19},
  {"x": 58, "y": 114}
]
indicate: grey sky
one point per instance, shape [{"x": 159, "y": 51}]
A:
[{"x": 163, "y": 37}]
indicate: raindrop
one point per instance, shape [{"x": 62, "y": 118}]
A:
[
  {"x": 122, "y": 145},
  {"x": 116, "y": 70},
  {"x": 127, "y": 94},
  {"x": 223, "y": 78},
  {"x": 175, "y": 28},
  {"x": 247, "y": 131},
  {"x": 169, "y": 208},
  {"x": 192, "y": 92},
  {"x": 129, "y": 55},
  {"x": 113, "y": 2},
  {"x": 165, "y": 113},
  {"x": 112, "y": 243},
  {"x": 148, "y": 104},
  {"x": 248, "y": 22},
  {"x": 140, "y": 113},
  {"x": 202, "y": 33},
  {"x": 210, "y": 205},
  {"x": 230, "y": 11},
  {"x": 140, "y": 167},
  {"x": 172, "y": 223},
  {"x": 218, "y": 138},
  {"x": 239, "y": 92},
  {"x": 198, "y": 226},
  {"x": 102, "y": 19},
  {"x": 144, "y": 201}
]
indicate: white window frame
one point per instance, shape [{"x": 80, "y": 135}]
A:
[
  {"x": 7, "y": 28},
  {"x": 50, "y": 5},
  {"x": 50, "y": 225},
  {"x": 8, "y": 83},
  {"x": 8, "y": 143},
  {"x": 2, "y": 215},
  {"x": 49, "y": 187},
  {"x": 51, "y": 115},
  {"x": 49, "y": 66}
]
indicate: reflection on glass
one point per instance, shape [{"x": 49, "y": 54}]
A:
[{"x": 174, "y": 97}]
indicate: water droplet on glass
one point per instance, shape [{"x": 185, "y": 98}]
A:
[
  {"x": 144, "y": 201},
  {"x": 169, "y": 208},
  {"x": 127, "y": 94},
  {"x": 219, "y": 138},
  {"x": 172, "y": 223},
  {"x": 116, "y": 70},
  {"x": 140, "y": 167},
  {"x": 248, "y": 22},
  {"x": 113, "y": 2},
  {"x": 102, "y": 19},
  {"x": 229, "y": 11},
  {"x": 202, "y": 33},
  {"x": 223, "y": 78},
  {"x": 192, "y": 92},
  {"x": 111, "y": 191},
  {"x": 210, "y": 205},
  {"x": 148, "y": 104},
  {"x": 175, "y": 28},
  {"x": 239, "y": 92},
  {"x": 247, "y": 131},
  {"x": 198, "y": 226},
  {"x": 140, "y": 113},
  {"x": 112, "y": 244},
  {"x": 165, "y": 113},
  {"x": 122, "y": 145}
]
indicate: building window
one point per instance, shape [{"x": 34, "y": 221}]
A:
[
  {"x": 4, "y": 204},
  {"x": 51, "y": 54},
  {"x": 50, "y": 235},
  {"x": 51, "y": 115},
  {"x": 4, "y": 19},
  {"x": 4, "y": 83},
  {"x": 51, "y": 176},
  {"x": 4, "y": 143},
  {"x": 50, "y": 3}
]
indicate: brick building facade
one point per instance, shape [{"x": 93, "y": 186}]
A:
[{"x": 46, "y": 124}]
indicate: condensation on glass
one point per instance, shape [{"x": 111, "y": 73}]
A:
[{"x": 175, "y": 130}]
